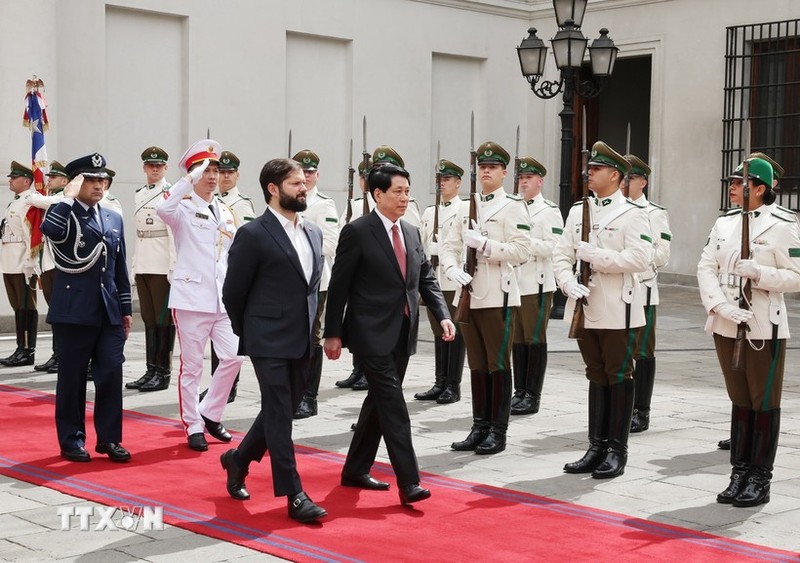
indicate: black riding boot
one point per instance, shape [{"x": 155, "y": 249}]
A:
[
  {"x": 534, "y": 380},
  {"x": 352, "y": 378},
  {"x": 27, "y": 326},
  {"x": 308, "y": 404},
  {"x": 440, "y": 371},
  {"x": 644, "y": 375},
  {"x": 481, "y": 392},
  {"x": 456, "y": 352},
  {"x": 519, "y": 365},
  {"x": 766, "y": 429},
  {"x": 598, "y": 431},
  {"x": 619, "y": 426},
  {"x": 150, "y": 345},
  {"x": 162, "y": 360},
  {"x": 19, "y": 326},
  {"x": 495, "y": 441},
  {"x": 741, "y": 437}
]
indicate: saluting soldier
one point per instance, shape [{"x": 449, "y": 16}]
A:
[
  {"x": 536, "y": 285},
  {"x": 18, "y": 267},
  {"x": 619, "y": 247},
  {"x": 56, "y": 180},
  {"x": 644, "y": 372},
  {"x": 321, "y": 211},
  {"x": 501, "y": 238},
  {"x": 448, "y": 356},
  {"x": 772, "y": 269},
  {"x": 153, "y": 258}
]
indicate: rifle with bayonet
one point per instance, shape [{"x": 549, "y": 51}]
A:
[
  {"x": 516, "y": 165},
  {"x": 745, "y": 291},
  {"x": 350, "y": 173},
  {"x": 626, "y": 180},
  {"x": 584, "y": 268},
  {"x": 365, "y": 158},
  {"x": 438, "y": 181},
  {"x": 462, "y": 311},
  {"x": 289, "y": 150}
]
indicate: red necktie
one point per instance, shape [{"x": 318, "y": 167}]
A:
[{"x": 400, "y": 255}]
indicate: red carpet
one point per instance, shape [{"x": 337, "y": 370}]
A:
[{"x": 461, "y": 522}]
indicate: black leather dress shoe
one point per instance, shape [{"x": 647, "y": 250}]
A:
[
  {"x": 47, "y": 365},
  {"x": 24, "y": 358},
  {"x": 303, "y": 509},
  {"x": 360, "y": 384},
  {"x": 197, "y": 442},
  {"x": 413, "y": 493},
  {"x": 78, "y": 454},
  {"x": 53, "y": 368},
  {"x": 235, "y": 480},
  {"x": 217, "y": 430},
  {"x": 148, "y": 375},
  {"x": 365, "y": 481},
  {"x": 115, "y": 452},
  {"x": 158, "y": 382}
]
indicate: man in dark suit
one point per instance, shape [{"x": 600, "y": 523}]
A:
[
  {"x": 90, "y": 310},
  {"x": 275, "y": 265},
  {"x": 379, "y": 273}
]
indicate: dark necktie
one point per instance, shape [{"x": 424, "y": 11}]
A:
[
  {"x": 211, "y": 208},
  {"x": 93, "y": 216},
  {"x": 400, "y": 255}
]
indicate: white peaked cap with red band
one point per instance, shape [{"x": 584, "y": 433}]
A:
[{"x": 198, "y": 152}]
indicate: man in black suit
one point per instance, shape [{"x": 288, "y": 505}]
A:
[
  {"x": 379, "y": 273},
  {"x": 90, "y": 310},
  {"x": 275, "y": 265}
]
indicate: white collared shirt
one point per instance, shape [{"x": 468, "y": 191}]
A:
[
  {"x": 300, "y": 242},
  {"x": 387, "y": 224}
]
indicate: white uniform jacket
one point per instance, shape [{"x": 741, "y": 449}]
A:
[
  {"x": 321, "y": 211},
  {"x": 412, "y": 215},
  {"x": 240, "y": 205},
  {"x": 202, "y": 242},
  {"x": 451, "y": 215},
  {"x": 503, "y": 219},
  {"x": 775, "y": 245},
  {"x": 547, "y": 227},
  {"x": 44, "y": 202},
  {"x": 111, "y": 203},
  {"x": 154, "y": 252},
  {"x": 621, "y": 231},
  {"x": 662, "y": 242},
  {"x": 15, "y": 251}
]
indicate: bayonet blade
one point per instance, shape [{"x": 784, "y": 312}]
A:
[
  {"x": 289, "y": 150},
  {"x": 351, "y": 152},
  {"x": 746, "y": 140},
  {"x": 364, "y": 133},
  {"x": 628, "y": 140},
  {"x": 472, "y": 131},
  {"x": 208, "y": 133},
  {"x": 585, "y": 136},
  {"x": 438, "y": 152},
  {"x": 516, "y": 148}
]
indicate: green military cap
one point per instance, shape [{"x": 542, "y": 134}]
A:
[
  {"x": 490, "y": 152},
  {"x": 308, "y": 159},
  {"x": 56, "y": 169},
  {"x": 758, "y": 169},
  {"x": 603, "y": 155},
  {"x": 384, "y": 154},
  {"x": 228, "y": 161},
  {"x": 529, "y": 165},
  {"x": 638, "y": 166},
  {"x": 19, "y": 170},
  {"x": 111, "y": 174},
  {"x": 364, "y": 167},
  {"x": 447, "y": 168},
  {"x": 154, "y": 154},
  {"x": 777, "y": 169}
]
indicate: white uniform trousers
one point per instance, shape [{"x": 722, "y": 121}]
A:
[{"x": 194, "y": 329}]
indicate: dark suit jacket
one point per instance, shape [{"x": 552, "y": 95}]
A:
[
  {"x": 269, "y": 302},
  {"x": 82, "y": 298},
  {"x": 367, "y": 282}
]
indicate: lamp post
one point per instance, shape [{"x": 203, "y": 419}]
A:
[{"x": 569, "y": 49}]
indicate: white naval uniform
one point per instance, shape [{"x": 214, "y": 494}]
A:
[
  {"x": 202, "y": 240},
  {"x": 240, "y": 205},
  {"x": 775, "y": 245},
  {"x": 621, "y": 231},
  {"x": 154, "y": 252},
  {"x": 321, "y": 211},
  {"x": 451, "y": 215},
  {"x": 546, "y": 228},
  {"x": 662, "y": 242},
  {"x": 411, "y": 216},
  {"x": 15, "y": 251},
  {"x": 503, "y": 219}
]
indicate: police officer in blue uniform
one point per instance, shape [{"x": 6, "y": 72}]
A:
[{"x": 90, "y": 310}]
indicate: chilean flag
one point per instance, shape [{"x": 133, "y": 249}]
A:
[{"x": 35, "y": 119}]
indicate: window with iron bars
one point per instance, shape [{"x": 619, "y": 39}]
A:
[{"x": 762, "y": 86}]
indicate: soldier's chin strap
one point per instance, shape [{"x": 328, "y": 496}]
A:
[{"x": 76, "y": 264}]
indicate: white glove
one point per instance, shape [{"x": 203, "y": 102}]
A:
[
  {"x": 71, "y": 190},
  {"x": 586, "y": 252},
  {"x": 433, "y": 249},
  {"x": 473, "y": 237},
  {"x": 458, "y": 276},
  {"x": 572, "y": 288},
  {"x": 748, "y": 269},
  {"x": 28, "y": 272},
  {"x": 197, "y": 172},
  {"x": 733, "y": 313}
]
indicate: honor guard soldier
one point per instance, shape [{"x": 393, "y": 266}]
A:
[
  {"x": 500, "y": 235},
  {"x": 644, "y": 372},
  {"x": 754, "y": 378},
  {"x": 90, "y": 311},
  {"x": 56, "y": 180},
  {"x": 321, "y": 211},
  {"x": 448, "y": 356},
  {"x": 619, "y": 248},
  {"x": 153, "y": 258},
  {"x": 203, "y": 228},
  {"x": 536, "y": 285},
  {"x": 109, "y": 201},
  {"x": 18, "y": 267}
]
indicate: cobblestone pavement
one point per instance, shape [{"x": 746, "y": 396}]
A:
[{"x": 673, "y": 474}]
